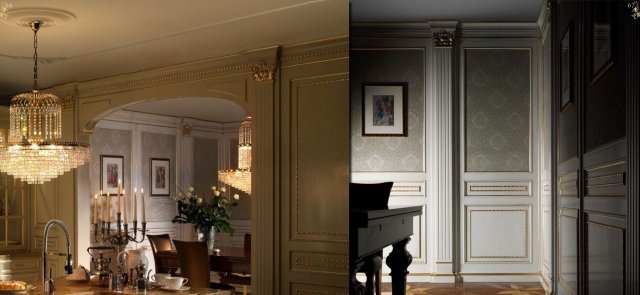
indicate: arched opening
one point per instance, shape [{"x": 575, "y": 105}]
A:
[{"x": 193, "y": 136}]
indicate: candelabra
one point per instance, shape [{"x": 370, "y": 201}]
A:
[{"x": 121, "y": 235}]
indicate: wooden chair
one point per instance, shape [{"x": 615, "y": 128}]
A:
[
  {"x": 161, "y": 243},
  {"x": 244, "y": 279},
  {"x": 194, "y": 265}
]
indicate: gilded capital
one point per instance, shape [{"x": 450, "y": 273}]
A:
[
  {"x": 263, "y": 72},
  {"x": 443, "y": 39},
  {"x": 67, "y": 102},
  {"x": 186, "y": 130}
]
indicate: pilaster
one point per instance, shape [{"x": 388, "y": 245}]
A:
[
  {"x": 263, "y": 209},
  {"x": 442, "y": 168}
]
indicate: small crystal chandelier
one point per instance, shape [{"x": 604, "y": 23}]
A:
[
  {"x": 241, "y": 178},
  {"x": 33, "y": 153}
]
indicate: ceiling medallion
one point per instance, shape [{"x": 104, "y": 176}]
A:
[{"x": 49, "y": 17}]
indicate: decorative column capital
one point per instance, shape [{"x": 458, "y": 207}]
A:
[
  {"x": 443, "y": 39},
  {"x": 635, "y": 9},
  {"x": 186, "y": 130},
  {"x": 263, "y": 72}
]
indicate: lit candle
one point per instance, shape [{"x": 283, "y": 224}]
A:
[
  {"x": 101, "y": 207},
  {"x": 135, "y": 204},
  {"x": 108, "y": 207},
  {"x": 124, "y": 206},
  {"x": 95, "y": 209},
  {"x": 144, "y": 217},
  {"x": 119, "y": 187}
]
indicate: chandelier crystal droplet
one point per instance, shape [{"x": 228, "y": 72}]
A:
[
  {"x": 241, "y": 177},
  {"x": 33, "y": 152}
]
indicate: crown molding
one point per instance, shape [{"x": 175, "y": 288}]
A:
[{"x": 464, "y": 30}]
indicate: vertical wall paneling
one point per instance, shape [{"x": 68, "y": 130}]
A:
[
  {"x": 314, "y": 233},
  {"x": 633, "y": 159},
  {"x": 500, "y": 159}
]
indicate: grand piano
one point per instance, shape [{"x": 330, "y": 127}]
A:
[{"x": 372, "y": 227}]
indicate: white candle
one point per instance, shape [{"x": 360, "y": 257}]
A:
[
  {"x": 95, "y": 209},
  {"x": 144, "y": 217},
  {"x": 135, "y": 204},
  {"x": 124, "y": 205},
  {"x": 119, "y": 187},
  {"x": 101, "y": 207},
  {"x": 108, "y": 208}
]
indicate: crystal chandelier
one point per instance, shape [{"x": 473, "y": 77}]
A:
[
  {"x": 33, "y": 153},
  {"x": 241, "y": 177}
]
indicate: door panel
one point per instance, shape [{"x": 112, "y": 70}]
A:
[{"x": 592, "y": 186}]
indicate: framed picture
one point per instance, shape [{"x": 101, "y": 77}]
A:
[
  {"x": 160, "y": 177},
  {"x": 384, "y": 109},
  {"x": 111, "y": 170}
]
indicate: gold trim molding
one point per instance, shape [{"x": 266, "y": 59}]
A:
[{"x": 443, "y": 39}]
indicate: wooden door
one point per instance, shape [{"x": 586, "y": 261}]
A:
[{"x": 591, "y": 49}]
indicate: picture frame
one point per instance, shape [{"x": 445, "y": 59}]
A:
[
  {"x": 111, "y": 171},
  {"x": 160, "y": 177},
  {"x": 384, "y": 109}
]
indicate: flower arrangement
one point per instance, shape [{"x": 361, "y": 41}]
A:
[{"x": 205, "y": 212}]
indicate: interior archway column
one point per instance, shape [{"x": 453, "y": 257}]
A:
[{"x": 265, "y": 175}]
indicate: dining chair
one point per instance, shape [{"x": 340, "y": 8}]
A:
[
  {"x": 194, "y": 267},
  {"x": 161, "y": 242},
  {"x": 241, "y": 279}
]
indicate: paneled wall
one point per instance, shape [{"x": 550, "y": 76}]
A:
[{"x": 473, "y": 120}]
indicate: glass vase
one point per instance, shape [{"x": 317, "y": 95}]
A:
[{"x": 207, "y": 235}]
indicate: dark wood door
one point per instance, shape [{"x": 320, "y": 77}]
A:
[{"x": 593, "y": 77}]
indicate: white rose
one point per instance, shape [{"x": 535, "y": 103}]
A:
[
  {"x": 191, "y": 189},
  {"x": 199, "y": 200},
  {"x": 236, "y": 196},
  {"x": 216, "y": 193},
  {"x": 213, "y": 188},
  {"x": 223, "y": 189}
]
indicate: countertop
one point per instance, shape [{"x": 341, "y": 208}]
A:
[{"x": 65, "y": 287}]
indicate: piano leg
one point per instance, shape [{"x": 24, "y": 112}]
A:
[
  {"x": 371, "y": 268},
  {"x": 399, "y": 260},
  {"x": 356, "y": 288}
]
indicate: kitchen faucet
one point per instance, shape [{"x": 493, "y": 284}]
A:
[{"x": 47, "y": 284}]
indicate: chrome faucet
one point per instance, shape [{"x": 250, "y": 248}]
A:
[{"x": 47, "y": 284}]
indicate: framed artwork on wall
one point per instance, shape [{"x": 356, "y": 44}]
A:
[
  {"x": 384, "y": 109},
  {"x": 111, "y": 171},
  {"x": 159, "y": 177}
]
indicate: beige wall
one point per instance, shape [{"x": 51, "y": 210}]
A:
[{"x": 300, "y": 150}]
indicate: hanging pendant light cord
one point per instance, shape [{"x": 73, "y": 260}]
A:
[{"x": 35, "y": 26}]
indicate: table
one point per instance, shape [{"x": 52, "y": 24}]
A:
[
  {"x": 230, "y": 260},
  {"x": 370, "y": 231}
]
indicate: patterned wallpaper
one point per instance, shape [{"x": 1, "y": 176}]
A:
[
  {"x": 497, "y": 105},
  {"x": 110, "y": 142},
  {"x": 158, "y": 146},
  {"x": 388, "y": 154}
]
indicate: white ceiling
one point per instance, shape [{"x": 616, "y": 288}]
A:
[
  {"x": 463, "y": 10},
  {"x": 114, "y": 37}
]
